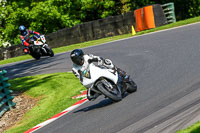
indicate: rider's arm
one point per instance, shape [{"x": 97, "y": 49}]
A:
[
  {"x": 37, "y": 34},
  {"x": 106, "y": 62},
  {"x": 33, "y": 32},
  {"x": 23, "y": 41},
  {"x": 77, "y": 73},
  {"x": 93, "y": 58}
]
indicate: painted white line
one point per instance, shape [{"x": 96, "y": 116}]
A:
[
  {"x": 66, "y": 111},
  {"x": 82, "y": 95}
]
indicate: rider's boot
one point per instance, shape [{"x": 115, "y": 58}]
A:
[
  {"x": 91, "y": 95},
  {"x": 26, "y": 51},
  {"x": 123, "y": 74},
  {"x": 121, "y": 85}
]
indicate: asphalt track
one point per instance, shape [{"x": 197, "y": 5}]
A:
[{"x": 166, "y": 67}]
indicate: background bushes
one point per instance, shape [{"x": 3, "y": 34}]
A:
[{"x": 46, "y": 16}]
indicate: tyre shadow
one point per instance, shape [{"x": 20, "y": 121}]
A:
[{"x": 101, "y": 104}]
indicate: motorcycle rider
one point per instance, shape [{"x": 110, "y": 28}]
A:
[
  {"x": 25, "y": 37},
  {"x": 81, "y": 62}
]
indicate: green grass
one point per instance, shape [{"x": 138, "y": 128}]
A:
[
  {"x": 192, "y": 129},
  {"x": 55, "y": 92},
  {"x": 104, "y": 40}
]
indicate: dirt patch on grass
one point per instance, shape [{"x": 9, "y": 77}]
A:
[{"x": 23, "y": 104}]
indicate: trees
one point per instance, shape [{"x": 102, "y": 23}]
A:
[
  {"x": 2, "y": 20},
  {"x": 46, "y": 16}
]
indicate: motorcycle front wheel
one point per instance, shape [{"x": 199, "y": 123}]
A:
[
  {"x": 49, "y": 51},
  {"x": 114, "y": 94}
]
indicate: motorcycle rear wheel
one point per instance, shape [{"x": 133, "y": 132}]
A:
[
  {"x": 36, "y": 54},
  {"x": 113, "y": 96}
]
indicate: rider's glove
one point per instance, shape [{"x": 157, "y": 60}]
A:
[
  {"x": 100, "y": 62},
  {"x": 36, "y": 36},
  {"x": 80, "y": 74}
]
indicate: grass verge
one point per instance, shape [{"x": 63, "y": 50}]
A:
[
  {"x": 104, "y": 40},
  {"x": 55, "y": 92},
  {"x": 192, "y": 129}
]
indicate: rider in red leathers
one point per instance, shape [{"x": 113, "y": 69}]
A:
[{"x": 25, "y": 37}]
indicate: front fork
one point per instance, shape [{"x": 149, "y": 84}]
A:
[
  {"x": 92, "y": 88},
  {"x": 43, "y": 48},
  {"x": 108, "y": 86}
]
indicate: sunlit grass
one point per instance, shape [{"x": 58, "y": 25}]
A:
[
  {"x": 192, "y": 129},
  {"x": 55, "y": 92}
]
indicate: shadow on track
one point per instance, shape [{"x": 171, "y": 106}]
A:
[
  {"x": 30, "y": 67},
  {"x": 101, "y": 104}
]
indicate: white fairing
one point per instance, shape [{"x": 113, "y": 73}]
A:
[
  {"x": 96, "y": 73},
  {"x": 38, "y": 43},
  {"x": 43, "y": 38},
  {"x": 41, "y": 41}
]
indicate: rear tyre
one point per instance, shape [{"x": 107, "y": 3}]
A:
[
  {"x": 37, "y": 54},
  {"x": 114, "y": 94},
  {"x": 132, "y": 87},
  {"x": 37, "y": 57}
]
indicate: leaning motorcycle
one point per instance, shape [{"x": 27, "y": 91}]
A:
[
  {"x": 38, "y": 48},
  {"x": 102, "y": 80}
]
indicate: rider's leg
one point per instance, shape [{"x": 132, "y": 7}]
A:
[
  {"x": 91, "y": 95},
  {"x": 26, "y": 50},
  {"x": 123, "y": 74}
]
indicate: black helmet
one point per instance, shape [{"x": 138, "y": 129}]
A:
[
  {"x": 23, "y": 30},
  {"x": 77, "y": 57}
]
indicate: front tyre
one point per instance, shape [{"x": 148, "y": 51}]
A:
[
  {"x": 49, "y": 51},
  {"x": 113, "y": 93}
]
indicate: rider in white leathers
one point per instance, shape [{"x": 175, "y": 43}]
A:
[{"x": 81, "y": 62}]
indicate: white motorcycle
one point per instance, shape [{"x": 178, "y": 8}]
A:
[
  {"x": 104, "y": 81},
  {"x": 38, "y": 48}
]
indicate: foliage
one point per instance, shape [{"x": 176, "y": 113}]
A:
[
  {"x": 184, "y": 9},
  {"x": 2, "y": 18},
  {"x": 54, "y": 93},
  {"x": 192, "y": 129},
  {"x": 46, "y": 16}
]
